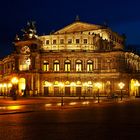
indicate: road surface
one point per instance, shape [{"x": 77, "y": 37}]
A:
[{"x": 104, "y": 121}]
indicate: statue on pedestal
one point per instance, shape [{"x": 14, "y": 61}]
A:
[{"x": 29, "y": 31}]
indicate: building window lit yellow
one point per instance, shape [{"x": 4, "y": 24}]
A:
[
  {"x": 78, "y": 65},
  {"x": 46, "y": 66},
  {"x": 56, "y": 65},
  {"x": 67, "y": 65},
  {"x": 89, "y": 66}
]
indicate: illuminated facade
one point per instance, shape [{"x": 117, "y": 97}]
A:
[{"x": 70, "y": 62}]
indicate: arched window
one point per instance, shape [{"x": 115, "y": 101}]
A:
[
  {"x": 89, "y": 65},
  {"x": 24, "y": 63},
  {"x": 45, "y": 66},
  {"x": 67, "y": 65},
  {"x": 56, "y": 65},
  {"x": 78, "y": 65}
]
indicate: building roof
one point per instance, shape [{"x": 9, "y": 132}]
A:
[{"x": 78, "y": 26}]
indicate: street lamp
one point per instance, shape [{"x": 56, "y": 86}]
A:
[
  {"x": 121, "y": 86},
  {"x": 14, "y": 82},
  {"x": 61, "y": 85},
  {"x": 137, "y": 84},
  {"x": 98, "y": 85}
]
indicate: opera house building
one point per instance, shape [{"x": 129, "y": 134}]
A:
[{"x": 80, "y": 59}]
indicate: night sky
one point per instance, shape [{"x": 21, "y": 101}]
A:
[{"x": 122, "y": 16}]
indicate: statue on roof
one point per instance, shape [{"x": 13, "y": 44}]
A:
[
  {"x": 101, "y": 44},
  {"x": 17, "y": 37},
  {"x": 29, "y": 31},
  {"x": 105, "y": 23},
  {"x": 77, "y": 18}
]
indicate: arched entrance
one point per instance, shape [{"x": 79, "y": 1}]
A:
[
  {"x": 47, "y": 85},
  {"x": 134, "y": 87},
  {"x": 22, "y": 86},
  {"x": 67, "y": 88},
  {"x": 78, "y": 88}
]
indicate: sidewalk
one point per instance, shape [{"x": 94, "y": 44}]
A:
[
  {"x": 36, "y": 100},
  {"x": 32, "y": 104},
  {"x": 54, "y": 100}
]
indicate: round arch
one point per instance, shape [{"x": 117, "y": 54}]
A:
[
  {"x": 22, "y": 85},
  {"x": 134, "y": 87}
]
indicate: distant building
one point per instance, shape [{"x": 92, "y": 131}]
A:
[{"x": 70, "y": 62}]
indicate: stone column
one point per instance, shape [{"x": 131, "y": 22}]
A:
[
  {"x": 16, "y": 63},
  {"x": 32, "y": 61}
]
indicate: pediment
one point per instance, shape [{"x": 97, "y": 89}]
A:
[{"x": 78, "y": 27}]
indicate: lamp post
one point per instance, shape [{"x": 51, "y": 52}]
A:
[
  {"x": 98, "y": 85},
  {"x": 137, "y": 84},
  {"x": 121, "y": 86},
  {"x": 61, "y": 85},
  {"x": 14, "y": 82}
]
